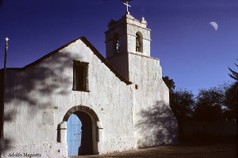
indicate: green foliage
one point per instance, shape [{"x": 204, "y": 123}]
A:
[
  {"x": 181, "y": 103},
  {"x": 231, "y": 101},
  {"x": 213, "y": 104},
  {"x": 170, "y": 83},
  {"x": 209, "y": 105}
]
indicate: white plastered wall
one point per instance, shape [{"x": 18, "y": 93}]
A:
[{"x": 39, "y": 96}]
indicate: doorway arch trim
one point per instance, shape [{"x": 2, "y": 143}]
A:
[
  {"x": 96, "y": 125},
  {"x": 81, "y": 108}
]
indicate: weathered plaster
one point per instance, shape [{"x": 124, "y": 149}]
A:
[{"x": 129, "y": 108}]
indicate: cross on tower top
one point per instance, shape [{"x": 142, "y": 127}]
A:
[{"x": 126, "y": 3}]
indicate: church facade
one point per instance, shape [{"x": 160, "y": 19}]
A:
[{"x": 73, "y": 101}]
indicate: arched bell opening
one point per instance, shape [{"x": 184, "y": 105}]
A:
[
  {"x": 139, "y": 42},
  {"x": 116, "y": 43}
]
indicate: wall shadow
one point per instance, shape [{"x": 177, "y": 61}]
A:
[
  {"x": 43, "y": 77},
  {"x": 158, "y": 126}
]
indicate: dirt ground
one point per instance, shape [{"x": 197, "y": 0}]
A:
[{"x": 179, "y": 151}]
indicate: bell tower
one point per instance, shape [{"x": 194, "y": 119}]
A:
[
  {"x": 124, "y": 37},
  {"x": 128, "y": 50}
]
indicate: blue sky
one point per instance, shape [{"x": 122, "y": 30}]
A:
[{"x": 191, "y": 51}]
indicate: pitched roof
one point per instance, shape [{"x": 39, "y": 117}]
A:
[{"x": 93, "y": 49}]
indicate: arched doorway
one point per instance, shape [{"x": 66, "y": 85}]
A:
[{"x": 82, "y": 131}]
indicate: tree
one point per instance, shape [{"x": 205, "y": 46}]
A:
[
  {"x": 231, "y": 101},
  {"x": 209, "y": 105},
  {"x": 234, "y": 74},
  {"x": 170, "y": 83},
  {"x": 181, "y": 103},
  {"x": 232, "y": 95}
]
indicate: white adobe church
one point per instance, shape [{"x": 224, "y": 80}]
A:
[{"x": 73, "y": 101}]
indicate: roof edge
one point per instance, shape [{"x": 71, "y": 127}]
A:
[
  {"x": 88, "y": 44},
  {"x": 51, "y": 53},
  {"x": 105, "y": 61}
]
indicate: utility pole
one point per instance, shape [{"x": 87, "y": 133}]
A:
[
  {"x": 4, "y": 86},
  {"x": 5, "y": 61}
]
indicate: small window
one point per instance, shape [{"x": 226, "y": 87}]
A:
[{"x": 80, "y": 76}]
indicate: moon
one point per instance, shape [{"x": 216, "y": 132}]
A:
[{"x": 214, "y": 25}]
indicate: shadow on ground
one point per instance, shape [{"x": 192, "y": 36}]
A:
[{"x": 178, "y": 151}]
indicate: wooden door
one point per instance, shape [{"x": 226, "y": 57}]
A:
[{"x": 74, "y": 135}]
